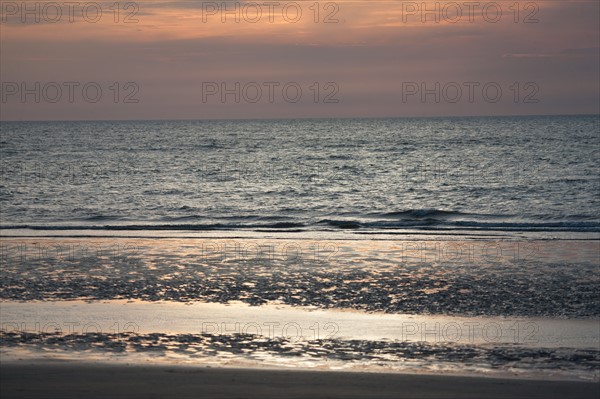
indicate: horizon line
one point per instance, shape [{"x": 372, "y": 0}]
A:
[{"x": 297, "y": 118}]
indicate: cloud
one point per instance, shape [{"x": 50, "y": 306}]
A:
[{"x": 170, "y": 52}]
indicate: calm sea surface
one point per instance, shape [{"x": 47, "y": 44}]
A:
[{"x": 496, "y": 173}]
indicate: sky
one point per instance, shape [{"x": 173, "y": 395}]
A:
[{"x": 280, "y": 59}]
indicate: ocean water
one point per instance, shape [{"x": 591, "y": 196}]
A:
[
  {"x": 512, "y": 174},
  {"x": 459, "y": 245}
]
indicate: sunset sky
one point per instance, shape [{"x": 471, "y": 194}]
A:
[{"x": 366, "y": 61}]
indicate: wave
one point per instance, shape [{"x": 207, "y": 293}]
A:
[
  {"x": 422, "y": 213},
  {"x": 412, "y": 219},
  {"x": 102, "y": 218},
  {"x": 342, "y": 224},
  {"x": 193, "y": 227},
  {"x": 432, "y": 224},
  {"x": 427, "y": 225}
]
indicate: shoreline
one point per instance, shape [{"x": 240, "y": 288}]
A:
[{"x": 80, "y": 379}]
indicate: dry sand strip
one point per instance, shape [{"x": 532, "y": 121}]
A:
[{"x": 83, "y": 380}]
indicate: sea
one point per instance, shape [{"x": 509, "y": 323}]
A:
[{"x": 465, "y": 245}]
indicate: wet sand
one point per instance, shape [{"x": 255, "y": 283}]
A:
[
  {"x": 360, "y": 278},
  {"x": 86, "y": 380},
  {"x": 273, "y": 336},
  {"x": 451, "y": 277}
]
